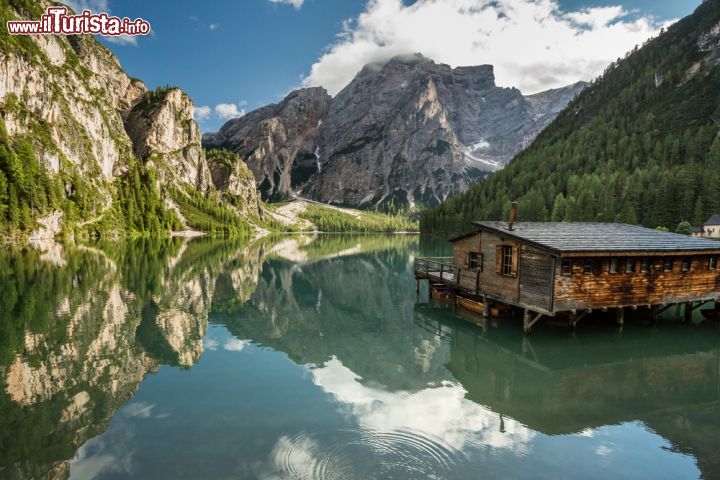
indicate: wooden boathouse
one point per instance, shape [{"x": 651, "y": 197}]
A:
[{"x": 572, "y": 269}]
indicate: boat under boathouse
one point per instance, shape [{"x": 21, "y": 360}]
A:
[{"x": 573, "y": 269}]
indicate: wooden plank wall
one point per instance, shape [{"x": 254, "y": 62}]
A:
[
  {"x": 603, "y": 289},
  {"x": 467, "y": 278},
  {"x": 489, "y": 281},
  {"x": 536, "y": 277}
]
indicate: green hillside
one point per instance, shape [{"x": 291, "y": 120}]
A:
[{"x": 639, "y": 145}]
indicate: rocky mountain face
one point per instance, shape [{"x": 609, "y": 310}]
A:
[
  {"x": 405, "y": 132},
  {"x": 76, "y": 123},
  {"x": 269, "y": 139}
]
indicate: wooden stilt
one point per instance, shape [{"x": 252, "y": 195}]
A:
[
  {"x": 620, "y": 316},
  {"x": 417, "y": 286},
  {"x": 486, "y": 307},
  {"x": 677, "y": 310},
  {"x": 572, "y": 320},
  {"x": 526, "y": 321},
  {"x": 688, "y": 312}
]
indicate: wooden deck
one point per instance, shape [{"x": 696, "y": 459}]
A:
[{"x": 436, "y": 269}]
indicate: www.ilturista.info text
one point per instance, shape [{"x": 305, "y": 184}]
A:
[{"x": 57, "y": 21}]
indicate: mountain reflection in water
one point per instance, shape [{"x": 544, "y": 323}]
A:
[{"x": 311, "y": 357}]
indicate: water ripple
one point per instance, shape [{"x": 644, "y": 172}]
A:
[{"x": 365, "y": 454}]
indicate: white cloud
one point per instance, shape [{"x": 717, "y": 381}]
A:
[
  {"x": 139, "y": 409},
  {"x": 222, "y": 111},
  {"x": 201, "y": 112},
  {"x": 441, "y": 412},
  {"x": 227, "y": 111},
  {"x": 533, "y": 44},
  {"x": 214, "y": 26},
  {"x": 235, "y": 345},
  {"x": 210, "y": 343},
  {"x": 295, "y": 3},
  {"x": 122, "y": 40}
]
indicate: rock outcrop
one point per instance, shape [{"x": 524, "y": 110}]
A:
[
  {"x": 405, "y": 132},
  {"x": 162, "y": 130},
  {"x": 232, "y": 177}
]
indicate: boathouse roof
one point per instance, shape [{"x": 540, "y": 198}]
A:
[
  {"x": 714, "y": 220},
  {"x": 598, "y": 237}
]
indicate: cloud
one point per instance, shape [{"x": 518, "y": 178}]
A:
[
  {"x": 210, "y": 343},
  {"x": 202, "y": 24},
  {"x": 295, "y": 3},
  {"x": 227, "y": 111},
  {"x": 122, "y": 40},
  {"x": 533, "y": 44},
  {"x": 222, "y": 111},
  {"x": 139, "y": 409},
  {"x": 235, "y": 345},
  {"x": 201, "y": 112}
]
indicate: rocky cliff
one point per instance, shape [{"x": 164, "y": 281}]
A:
[
  {"x": 83, "y": 138},
  {"x": 405, "y": 132},
  {"x": 269, "y": 139},
  {"x": 163, "y": 131}
]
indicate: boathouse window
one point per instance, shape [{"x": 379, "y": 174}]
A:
[
  {"x": 686, "y": 264},
  {"x": 566, "y": 266},
  {"x": 614, "y": 265},
  {"x": 712, "y": 263},
  {"x": 630, "y": 265},
  {"x": 668, "y": 267},
  {"x": 645, "y": 265},
  {"x": 474, "y": 261},
  {"x": 589, "y": 266},
  {"x": 507, "y": 260}
]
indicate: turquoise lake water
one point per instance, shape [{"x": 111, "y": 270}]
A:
[{"x": 313, "y": 358}]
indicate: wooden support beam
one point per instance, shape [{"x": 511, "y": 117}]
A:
[
  {"x": 688, "y": 311},
  {"x": 486, "y": 307},
  {"x": 417, "y": 286},
  {"x": 620, "y": 316},
  {"x": 528, "y": 322},
  {"x": 582, "y": 315}
]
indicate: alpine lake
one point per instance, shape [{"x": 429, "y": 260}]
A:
[{"x": 312, "y": 357}]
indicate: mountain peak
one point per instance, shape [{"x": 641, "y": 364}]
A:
[{"x": 406, "y": 131}]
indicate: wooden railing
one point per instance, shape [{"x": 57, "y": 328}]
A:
[{"x": 439, "y": 267}]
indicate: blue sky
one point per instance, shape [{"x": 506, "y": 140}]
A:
[{"x": 244, "y": 54}]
